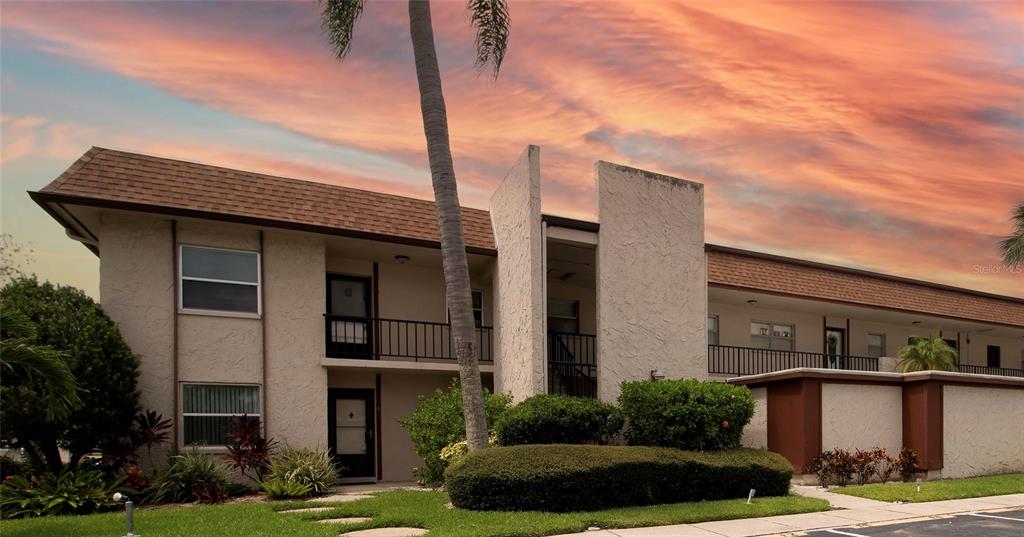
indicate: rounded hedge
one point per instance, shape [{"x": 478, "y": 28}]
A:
[
  {"x": 564, "y": 478},
  {"x": 558, "y": 419},
  {"x": 686, "y": 413}
]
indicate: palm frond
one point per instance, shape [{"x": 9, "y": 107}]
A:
[
  {"x": 491, "y": 20},
  {"x": 338, "y": 20},
  {"x": 1013, "y": 245},
  {"x": 927, "y": 354},
  {"x": 20, "y": 353}
]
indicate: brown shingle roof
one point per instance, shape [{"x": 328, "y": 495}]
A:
[
  {"x": 131, "y": 178},
  {"x": 109, "y": 178},
  {"x": 750, "y": 270}
]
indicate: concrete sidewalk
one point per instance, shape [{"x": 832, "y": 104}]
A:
[{"x": 846, "y": 511}]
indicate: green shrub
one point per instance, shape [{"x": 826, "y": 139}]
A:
[
  {"x": 191, "y": 476},
  {"x": 438, "y": 422},
  {"x": 13, "y": 466},
  {"x": 304, "y": 467},
  {"x": 105, "y": 369},
  {"x": 685, "y": 414},
  {"x": 278, "y": 489},
  {"x": 565, "y": 478},
  {"x": 558, "y": 419},
  {"x": 66, "y": 493}
]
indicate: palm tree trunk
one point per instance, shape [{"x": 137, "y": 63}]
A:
[{"x": 449, "y": 219}]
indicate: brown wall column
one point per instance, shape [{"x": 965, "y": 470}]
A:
[
  {"x": 922, "y": 422},
  {"x": 794, "y": 421}
]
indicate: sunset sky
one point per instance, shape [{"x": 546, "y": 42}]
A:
[{"x": 884, "y": 136}]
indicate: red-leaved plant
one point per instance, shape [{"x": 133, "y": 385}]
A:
[{"x": 248, "y": 451}]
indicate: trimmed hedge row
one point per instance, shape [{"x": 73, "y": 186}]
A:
[
  {"x": 686, "y": 413},
  {"x": 558, "y": 419},
  {"x": 564, "y": 478}
]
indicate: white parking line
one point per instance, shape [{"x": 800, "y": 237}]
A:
[
  {"x": 846, "y": 533},
  {"x": 999, "y": 517}
]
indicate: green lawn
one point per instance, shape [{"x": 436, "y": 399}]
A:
[
  {"x": 943, "y": 489},
  {"x": 424, "y": 509}
]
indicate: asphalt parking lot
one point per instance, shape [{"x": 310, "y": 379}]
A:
[{"x": 987, "y": 524}]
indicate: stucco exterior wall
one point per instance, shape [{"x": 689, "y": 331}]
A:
[
  {"x": 651, "y": 277},
  {"x": 755, "y": 434},
  {"x": 861, "y": 416},
  {"x": 137, "y": 292},
  {"x": 296, "y": 385},
  {"x": 979, "y": 437},
  {"x": 975, "y": 353},
  {"x": 518, "y": 287}
]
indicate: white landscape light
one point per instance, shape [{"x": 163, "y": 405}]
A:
[
  {"x": 129, "y": 512},
  {"x": 750, "y": 497}
]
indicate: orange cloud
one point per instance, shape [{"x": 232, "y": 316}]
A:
[{"x": 878, "y": 134}]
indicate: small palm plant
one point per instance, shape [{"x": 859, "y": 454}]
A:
[
  {"x": 1013, "y": 245},
  {"x": 927, "y": 354},
  {"x": 20, "y": 353}
]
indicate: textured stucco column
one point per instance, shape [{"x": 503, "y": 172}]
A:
[
  {"x": 296, "y": 383},
  {"x": 137, "y": 293},
  {"x": 519, "y": 280},
  {"x": 651, "y": 277}
]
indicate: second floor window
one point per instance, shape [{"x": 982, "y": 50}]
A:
[
  {"x": 876, "y": 345},
  {"x": 564, "y": 315},
  {"x": 768, "y": 335},
  {"x": 712, "y": 330},
  {"x": 219, "y": 280},
  {"x": 478, "y": 307}
]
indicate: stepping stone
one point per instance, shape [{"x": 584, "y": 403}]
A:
[
  {"x": 387, "y": 532},
  {"x": 347, "y": 520},
  {"x": 340, "y": 498},
  {"x": 308, "y": 510}
]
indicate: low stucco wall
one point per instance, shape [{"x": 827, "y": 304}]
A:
[
  {"x": 519, "y": 280},
  {"x": 979, "y": 436},
  {"x": 861, "y": 416},
  {"x": 651, "y": 277},
  {"x": 755, "y": 434}
]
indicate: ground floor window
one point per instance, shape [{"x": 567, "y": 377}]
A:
[{"x": 207, "y": 409}]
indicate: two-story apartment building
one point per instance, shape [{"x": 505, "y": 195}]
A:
[{"x": 321, "y": 308}]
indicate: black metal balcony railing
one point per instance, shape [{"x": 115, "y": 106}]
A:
[
  {"x": 985, "y": 370},
  {"x": 572, "y": 365},
  {"x": 726, "y": 360},
  {"x": 372, "y": 338}
]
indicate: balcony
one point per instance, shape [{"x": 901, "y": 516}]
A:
[
  {"x": 740, "y": 361},
  {"x": 985, "y": 370},
  {"x": 572, "y": 364},
  {"x": 371, "y": 338}
]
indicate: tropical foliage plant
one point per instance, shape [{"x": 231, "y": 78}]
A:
[
  {"x": 248, "y": 451},
  {"x": 191, "y": 476},
  {"x": 90, "y": 345},
  {"x": 69, "y": 492},
  {"x": 927, "y": 354},
  {"x": 309, "y": 468},
  {"x": 438, "y": 422},
  {"x": 490, "y": 19},
  {"x": 30, "y": 362},
  {"x": 1012, "y": 246}
]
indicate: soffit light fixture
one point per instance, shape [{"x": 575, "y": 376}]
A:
[
  {"x": 752, "y": 302},
  {"x": 402, "y": 259}
]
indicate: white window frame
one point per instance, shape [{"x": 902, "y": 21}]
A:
[
  {"x": 182, "y": 278},
  {"x": 182, "y": 414},
  {"x": 718, "y": 330},
  {"x": 771, "y": 336},
  {"x": 884, "y": 343}
]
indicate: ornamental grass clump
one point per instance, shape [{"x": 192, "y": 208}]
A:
[{"x": 299, "y": 472}]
